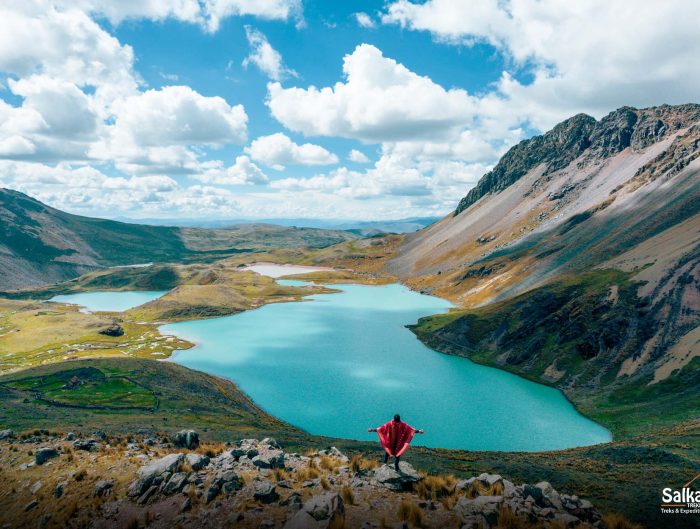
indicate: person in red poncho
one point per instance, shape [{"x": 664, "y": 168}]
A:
[{"x": 395, "y": 436}]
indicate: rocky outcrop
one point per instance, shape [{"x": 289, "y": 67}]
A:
[{"x": 582, "y": 134}]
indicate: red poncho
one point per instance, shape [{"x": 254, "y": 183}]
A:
[{"x": 395, "y": 437}]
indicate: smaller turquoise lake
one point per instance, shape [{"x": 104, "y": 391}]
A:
[
  {"x": 339, "y": 363},
  {"x": 109, "y": 301}
]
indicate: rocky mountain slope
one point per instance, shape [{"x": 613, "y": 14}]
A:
[
  {"x": 40, "y": 245},
  {"x": 577, "y": 263}
]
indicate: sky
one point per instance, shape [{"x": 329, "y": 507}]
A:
[{"x": 245, "y": 109}]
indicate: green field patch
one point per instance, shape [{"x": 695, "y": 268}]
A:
[{"x": 87, "y": 388}]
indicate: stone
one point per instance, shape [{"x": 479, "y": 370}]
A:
[
  {"x": 30, "y": 505},
  {"x": 326, "y": 506},
  {"x": 186, "y": 505},
  {"x": 169, "y": 463},
  {"x": 228, "y": 479},
  {"x": 152, "y": 473},
  {"x": 293, "y": 501},
  {"x": 6, "y": 434},
  {"x": 175, "y": 483},
  {"x": 147, "y": 495},
  {"x": 60, "y": 489},
  {"x": 196, "y": 461},
  {"x": 103, "y": 488},
  {"x": 550, "y": 496},
  {"x": 534, "y": 492},
  {"x": 35, "y": 488},
  {"x": 270, "y": 459},
  {"x": 271, "y": 441},
  {"x": 386, "y": 476},
  {"x": 265, "y": 492},
  {"x": 212, "y": 492},
  {"x": 188, "y": 439},
  {"x": 90, "y": 445},
  {"x": 70, "y": 436},
  {"x": 486, "y": 506},
  {"x": 44, "y": 454}
]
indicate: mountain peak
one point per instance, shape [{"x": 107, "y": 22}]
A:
[{"x": 625, "y": 127}]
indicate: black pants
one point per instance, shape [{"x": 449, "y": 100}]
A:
[{"x": 396, "y": 461}]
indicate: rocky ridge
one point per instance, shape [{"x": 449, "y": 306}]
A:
[{"x": 173, "y": 481}]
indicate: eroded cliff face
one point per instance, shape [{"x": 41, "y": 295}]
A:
[{"x": 576, "y": 259}]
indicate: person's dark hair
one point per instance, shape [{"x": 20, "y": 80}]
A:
[{"x": 397, "y": 417}]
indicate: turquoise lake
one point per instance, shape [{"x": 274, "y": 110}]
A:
[
  {"x": 110, "y": 301},
  {"x": 337, "y": 364}
]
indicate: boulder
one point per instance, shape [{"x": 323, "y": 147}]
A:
[
  {"x": 212, "y": 492},
  {"x": 228, "y": 480},
  {"x": 169, "y": 463},
  {"x": 44, "y": 454},
  {"x": 196, "y": 461},
  {"x": 269, "y": 459},
  {"x": 265, "y": 491},
  {"x": 550, "y": 496},
  {"x": 326, "y": 506},
  {"x": 6, "y": 434},
  {"x": 103, "y": 488},
  {"x": 150, "y": 491},
  {"x": 293, "y": 501},
  {"x": 29, "y": 506},
  {"x": 175, "y": 483},
  {"x": 386, "y": 476},
  {"x": 90, "y": 445},
  {"x": 152, "y": 474},
  {"x": 188, "y": 439},
  {"x": 271, "y": 441},
  {"x": 486, "y": 506}
]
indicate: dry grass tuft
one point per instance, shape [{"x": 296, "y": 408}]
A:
[
  {"x": 436, "y": 487},
  {"x": 479, "y": 489},
  {"x": 347, "y": 494},
  {"x": 411, "y": 513},
  {"x": 359, "y": 463},
  {"x": 325, "y": 484}
]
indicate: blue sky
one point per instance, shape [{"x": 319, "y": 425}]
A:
[{"x": 241, "y": 109}]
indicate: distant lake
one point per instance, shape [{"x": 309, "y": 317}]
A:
[
  {"x": 109, "y": 301},
  {"x": 340, "y": 363}
]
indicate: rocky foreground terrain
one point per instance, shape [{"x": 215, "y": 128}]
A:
[{"x": 61, "y": 480}]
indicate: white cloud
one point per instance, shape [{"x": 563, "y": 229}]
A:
[
  {"x": 177, "y": 115},
  {"x": 265, "y": 57},
  {"x": 216, "y": 10},
  {"x": 357, "y": 156},
  {"x": 154, "y": 130},
  {"x": 35, "y": 38},
  {"x": 207, "y": 13},
  {"x": 278, "y": 150},
  {"x": 583, "y": 56},
  {"x": 242, "y": 172},
  {"x": 381, "y": 100},
  {"x": 364, "y": 20}
]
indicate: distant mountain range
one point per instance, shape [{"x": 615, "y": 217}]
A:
[
  {"x": 40, "y": 244},
  {"x": 365, "y": 227}
]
